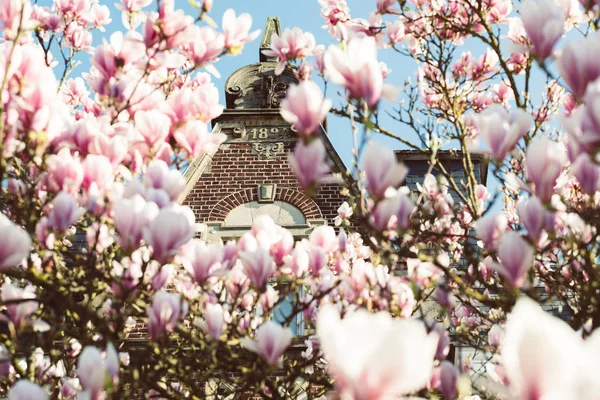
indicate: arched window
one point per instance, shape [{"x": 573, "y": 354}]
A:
[{"x": 284, "y": 214}]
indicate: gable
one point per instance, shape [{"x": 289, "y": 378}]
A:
[{"x": 255, "y": 154}]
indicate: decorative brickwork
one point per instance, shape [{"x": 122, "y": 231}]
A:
[{"x": 230, "y": 177}]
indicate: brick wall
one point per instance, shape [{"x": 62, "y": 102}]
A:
[{"x": 234, "y": 173}]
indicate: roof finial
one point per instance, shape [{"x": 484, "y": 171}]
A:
[{"x": 273, "y": 26}]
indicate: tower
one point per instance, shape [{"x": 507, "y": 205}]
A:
[{"x": 248, "y": 175}]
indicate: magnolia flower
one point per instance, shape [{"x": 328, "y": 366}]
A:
[
  {"x": 154, "y": 126},
  {"x": 542, "y": 355},
  {"x": 501, "y": 129},
  {"x": 236, "y": 30},
  {"x": 258, "y": 266},
  {"x": 196, "y": 140},
  {"x": 291, "y": 45},
  {"x": 308, "y": 162},
  {"x": 283, "y": 246},
  {"x": 206, "y": 48},
  {"x": 214, "y": 321},
  {"x": 98, "y": 172},
  {"x": 393, "y": 212},
  {"x": 356, "y": 68},
  {"x": 344, "y": 212},
  {"x": 202, "y": 261},
  {"x": 164, "y": 314},
  {"x": 65, "y": 212},
  {"x": 388, "y": 357},
  {"x": 132, "y": 216},
  {"x": 544, "y": 23},
  {"x": 587, "y": 173},
  {"x": 172, "y": 228},
  {"x": 93, "y": 368},
  {"x": 448, "y": 380},
  {"x": 64, "y": 171},
  {"x": 544, "y": 163},
  {"x": 516, "y": 258},
  {"x": 578, "y": 64},
  {"x": 271, "y": 341},
  {"x": 19, "y": 311},
  {"x": 305, "y": 107},
  {"x": 490, "y": 228},
  {"x": 382, "y": 169},
  {"x": 15, "y": 243},
  {"x": 298, "y": 261},
  {"x": 160, "y": 176},
  {"x": 532, "y": 215},
  {"x": 25, "y": 390},
  {"x": 325, "y": 238}
]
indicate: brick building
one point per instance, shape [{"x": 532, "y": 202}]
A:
[{"x": 248, "y": 175}]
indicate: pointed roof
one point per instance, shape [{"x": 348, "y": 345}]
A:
[
  {"x": 256, "y": 85},
  {"x": 272, "y": 26}
]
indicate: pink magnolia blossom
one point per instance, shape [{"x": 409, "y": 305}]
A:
[
  {"x": 325, "y": 238},
  {"x": 195, "y": 139},
  {"x": 15, "y": 243},
  {"x": 25, "y": 390},
  {"x": 258, "y": 266},
  {"x": 587, "y": 173},
  {"x": 18, "y": 312},
  {"x": 305, "y": 107},
  {"x": 389, "y": 357},
  {"x": 291, "y": 45},
  {"x": 93, "y": 368},
  {"x": 393, "y": 212},
  {"x": 159, "y": 176},
  {"x": 490, "y": 229},
  {"x": 77, "y": 37},
  {"x": 98, "y": 172},
  {"x": 309, "y": 164},
  {"x": 356, "y": 68},
  {"x": 172, "y": 228},
  {"x": 201, "y": 103},
  {"x": 114, "y": 148},
  {"x": 214, "y": 321},
  {"x": 540, "y": 365},
  {"x": 132, "y": 216},
  {"x": 396, "y": 32},
  {"x": 65, "y": 212},
  {"x": 544, "y": 163},
  {"x": 175, "y": 24},
  {"x": 237, "y": 31},
  {"x": 282, "y": 247},
  {"x": 271, "y": 342},
  {"x": 387, "y": 6},
  {"x": 516, "y": 258},
  {"x": 382, "y": 169},
  {"x": 448, "y": 379},
  {"x": 501, "y": 129},
  {"x": 154, "y": 126},
  {"x": 133, "y": 5},
  {"x": 344, "y": 212},
  {"x": 578, "y": 65},
  {"x": 532, "y": 215},
  {"x": 336, "y": 13},
  {"x": 64, "y": 172},
  {"x": 99, "y": 15},
  {"x": 544, "y": 23},
  {"x": 206, "y": 48},
  {"x": 496, "y": 336},
  {"x": 298, "y": 262},
  {"x": 164, "y": 314},
  {"x": 202, "y": 261}
]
